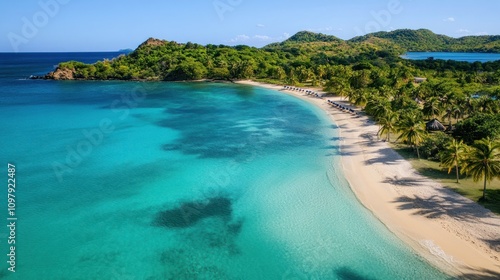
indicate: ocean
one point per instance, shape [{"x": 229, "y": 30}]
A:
[{"x": 157, "y": 180}]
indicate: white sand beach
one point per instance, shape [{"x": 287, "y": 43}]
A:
[{"x": 450, "y": 231}]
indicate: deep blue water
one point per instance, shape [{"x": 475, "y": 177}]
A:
[
  {"x": 22, "y": 65},
  {"x": 468, "y": 57},
  {"x": 131, "y": 180}
]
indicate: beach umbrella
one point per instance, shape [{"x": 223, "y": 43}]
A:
[{"x": 435, "y": 125}]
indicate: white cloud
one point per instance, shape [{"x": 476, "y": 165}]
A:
[
  {"x": 324, "y": 29},
  {"x": 240, "y": 38},
  {"x": 260, "y": 25},
  {"x": 321, "y": 29},
  {"x": 482, "y": 33},
  {"x": 463, "y": 31},
  {"x": 258, "y": 39},
  {"x": 450, "y": 19},
  {"x": 262, "y": 37}
]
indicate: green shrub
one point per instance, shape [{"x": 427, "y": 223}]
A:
[{"x": 433, "y": 144}]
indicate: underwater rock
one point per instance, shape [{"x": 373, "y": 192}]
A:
[{"x": 189, "y": 213}]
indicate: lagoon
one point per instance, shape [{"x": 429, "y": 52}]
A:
[{"x": 457, "y": 56}]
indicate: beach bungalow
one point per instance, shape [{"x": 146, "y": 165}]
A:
[
  {"x": 419, "y": 80},
  {"x": 434, "y": 125}
]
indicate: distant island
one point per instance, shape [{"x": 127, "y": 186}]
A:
[{"x": 125, "y": 50}]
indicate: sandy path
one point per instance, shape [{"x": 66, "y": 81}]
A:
[{"x": 451, "y": 231}]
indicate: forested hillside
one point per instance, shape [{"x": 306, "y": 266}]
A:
[
  {"x": 425, "y": 40},
  {"x": 304, "y": 56}
]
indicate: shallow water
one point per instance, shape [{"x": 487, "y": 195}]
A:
[{"x": 129, "y": 180}]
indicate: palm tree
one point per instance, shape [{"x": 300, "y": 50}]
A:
[
  {"x": 387, "y": 92},
  {"x": 388, "y": 124},
  {"x": 360, "y": 80},
  {"x": 359, "y": 97},
  {"x": 432, "y": 108},
  {"x": 412, "y": 130},
  {"x": 453, "y": 156},
  {"x": 405, "y": 74},
  {"x": 457, "y": 112},
  {"x": 422, "y": 91},
  {"x": 448, "y": 115},
  {"x": 483, "y": 162},
  {"x": 468, "y": 106},
  {"x": 321, "y": 72},
  {"x": 279, "y": 73},
  {"x": 292, "y": 78},
  {"x": 447, "y": 103},
  {"x": 487, "y": 105},
  {"x": 478, "y": 78},
  {"x": 338, "y": 86},
  {"x": 378, "y": 107}
]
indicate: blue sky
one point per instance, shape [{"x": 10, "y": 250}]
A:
[{"x": 108, "y": 25}]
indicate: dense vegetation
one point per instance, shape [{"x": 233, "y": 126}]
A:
[
  {"x": 365, "y": 70},
  {"x": 307, "y": 36},
  {"x": 304, "y": 56},
  {"x": 426, "y": 40}
]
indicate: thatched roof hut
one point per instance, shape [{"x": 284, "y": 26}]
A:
[{"x": 435, "y": 125}]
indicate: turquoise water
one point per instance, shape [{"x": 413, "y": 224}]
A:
[
  {"x": 130, "y": 180},
  {"x": 468, "y": 57}
]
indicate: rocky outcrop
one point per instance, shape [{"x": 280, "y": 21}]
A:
[
  {"x": 61, "y": 74},
  {"x": 152, "y": 42}
]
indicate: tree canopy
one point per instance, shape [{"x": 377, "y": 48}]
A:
[{"x": 369, "y": 61}]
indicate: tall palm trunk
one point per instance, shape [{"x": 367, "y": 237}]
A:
[
  {"x": 484, "y": 188},
  {"x": 456, "y": 169}
]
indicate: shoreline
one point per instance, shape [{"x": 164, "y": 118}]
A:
[{"x": 451, "y": 232}]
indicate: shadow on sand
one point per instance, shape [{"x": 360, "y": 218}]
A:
[
  {"x": 385, "y": 156},
  {"x": 480, "y": 275},
  {"x": 447, "y": 203}
]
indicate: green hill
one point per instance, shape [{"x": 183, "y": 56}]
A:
[
  {"x": 304, "y": 38},
  {"x": 307, "y": 37},
  {"x": 426, "y": 40}
]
